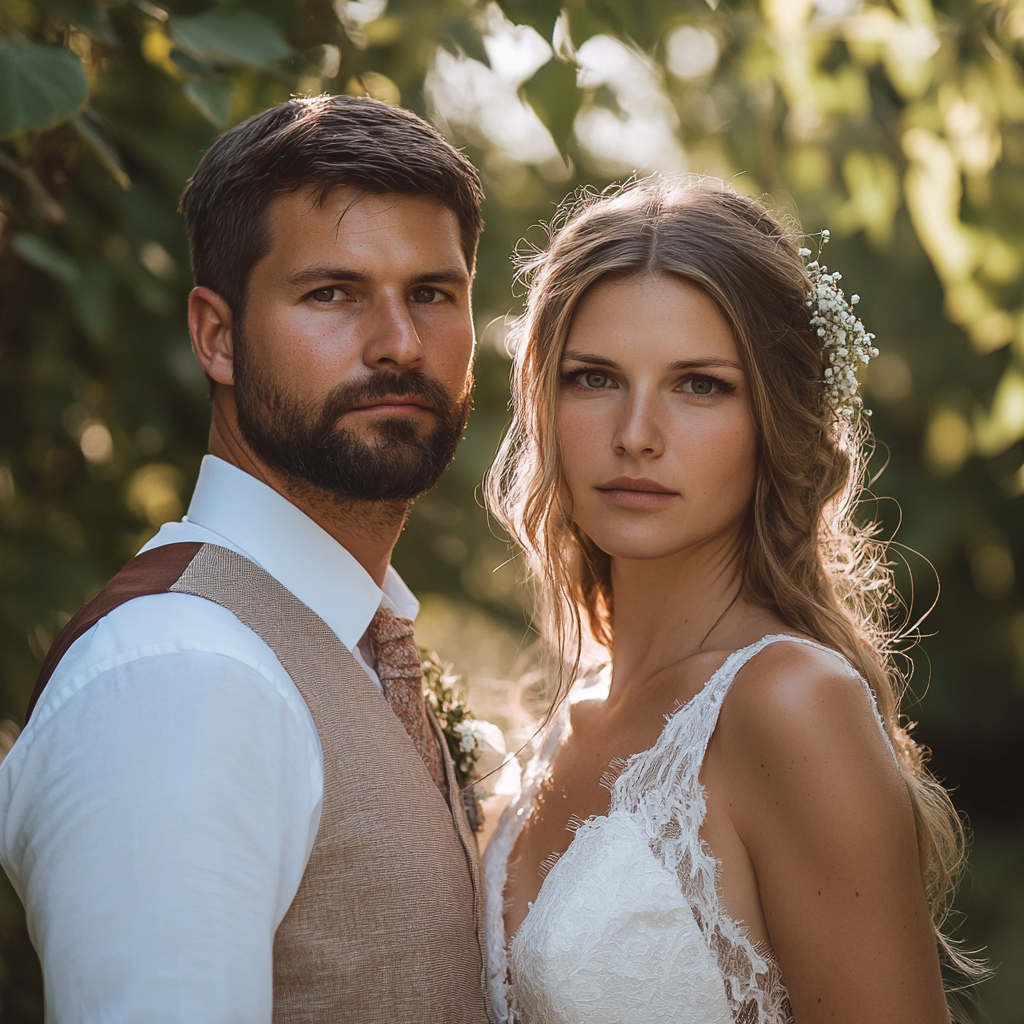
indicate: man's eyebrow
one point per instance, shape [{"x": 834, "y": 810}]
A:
[
  {"x": 447, "y": 275},
  {"x": 321, "y": 273}
]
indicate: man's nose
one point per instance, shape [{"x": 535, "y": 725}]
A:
[{"x": 393, "y": 342}]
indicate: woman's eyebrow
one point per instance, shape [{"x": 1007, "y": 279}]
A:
[
  {"x": 706, "y": 363},
  {"x": 709, "y": 362},
  {"x": 586, "y": 357}
]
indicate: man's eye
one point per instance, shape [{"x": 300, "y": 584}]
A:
[
  {"x": 425, "y": 295},
  {"x": 323, "y": 294}
]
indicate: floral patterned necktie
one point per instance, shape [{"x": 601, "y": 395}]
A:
[{"x": 401, "y": 674}]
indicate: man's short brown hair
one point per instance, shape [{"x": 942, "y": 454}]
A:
[{"x": 324, "y": 142}]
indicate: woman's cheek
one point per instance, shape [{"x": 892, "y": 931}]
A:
[
  {"x": 732, "y": 460},
  {"x": 576, "y": 436}
]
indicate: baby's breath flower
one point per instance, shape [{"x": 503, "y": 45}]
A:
[
  {"x": 469, "y": 741},
  {"x": 842, "y": 335}
]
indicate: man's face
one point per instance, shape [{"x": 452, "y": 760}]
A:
[{"x": 352, "y": 366}]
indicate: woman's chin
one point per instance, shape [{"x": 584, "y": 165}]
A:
[{"x": 639, "y": 549}]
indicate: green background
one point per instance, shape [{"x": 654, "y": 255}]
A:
[{"x": 900, "y": 127}]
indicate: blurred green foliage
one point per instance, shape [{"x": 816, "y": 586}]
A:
[{"x": 900, "y": 126}]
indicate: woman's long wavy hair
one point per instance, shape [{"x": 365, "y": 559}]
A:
[{"x": 804, "y": 557}]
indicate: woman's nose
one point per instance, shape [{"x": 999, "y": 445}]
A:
[{"x": 639, "y": 433}]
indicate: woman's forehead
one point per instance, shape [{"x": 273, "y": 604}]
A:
[{"x": 650, "y": 317}]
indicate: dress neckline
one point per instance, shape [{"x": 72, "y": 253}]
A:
[
  {"x": 711, "y": 688},
  {"x": 503, "y": 843}
]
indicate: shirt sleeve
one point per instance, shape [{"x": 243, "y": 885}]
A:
[{"x": 158, "y": 824}]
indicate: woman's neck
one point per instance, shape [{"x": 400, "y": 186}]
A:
[{"x": 667, "y": 609}]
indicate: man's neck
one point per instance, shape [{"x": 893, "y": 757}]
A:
[{"x": 367, "y": 530}]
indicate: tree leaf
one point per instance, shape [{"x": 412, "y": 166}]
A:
[
  {"x": 46, "y": 257},
  {"x": 40, "y": 86},
  {"x": 89, "y": 15},
  {"x": 189, "y": 65},
  {"x": 464, "y": 36},
  {"x": 90, "y": 131},
  {"x": 232, "y": 36},
  {"x": 212, "y": 99},
  {"x": 553, "y": 95},
  {"x": 586, "y": 22},
  {"x": 538, "y": 14},
  {"x": 93, "y": 294}
]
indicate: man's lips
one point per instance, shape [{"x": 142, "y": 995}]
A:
[
  {"x": 637, "y": 492},
  {"x": 395, "y": 405}
]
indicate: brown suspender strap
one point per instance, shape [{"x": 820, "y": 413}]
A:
[{"x": 153, "y": 572}]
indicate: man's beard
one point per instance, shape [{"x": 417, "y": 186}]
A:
[{"x": 305, "y": 442}]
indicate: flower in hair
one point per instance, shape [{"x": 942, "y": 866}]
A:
[{"x": 842, "y": 335}]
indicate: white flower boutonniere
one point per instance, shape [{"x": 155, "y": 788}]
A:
[{"x": 477, "y": 747}]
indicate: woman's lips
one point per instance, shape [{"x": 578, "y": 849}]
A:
[{"x": 637, "y": 492}]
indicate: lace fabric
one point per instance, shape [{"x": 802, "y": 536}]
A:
[
  {"x": 499, "y": 850},
  {"x": 629, "y": 925}
]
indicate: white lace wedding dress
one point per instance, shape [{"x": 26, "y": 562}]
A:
[{"x": 628, "y": 926}]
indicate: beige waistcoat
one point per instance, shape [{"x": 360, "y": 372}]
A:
[{"x": 386, "y": 924}]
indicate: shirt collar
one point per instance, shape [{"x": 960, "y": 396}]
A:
[{"x": 303, "y": 557}]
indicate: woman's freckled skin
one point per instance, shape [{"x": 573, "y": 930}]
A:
[
  {"x": 659, "y": 463},
  {"x": 659, "y": 395}
]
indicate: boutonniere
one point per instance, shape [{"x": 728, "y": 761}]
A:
[{"x": 477, "y": 747}]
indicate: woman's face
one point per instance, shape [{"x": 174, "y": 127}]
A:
[{"x": 657, "y": 436}]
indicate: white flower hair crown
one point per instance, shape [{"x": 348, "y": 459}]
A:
[{"x": 842, "y": 334}]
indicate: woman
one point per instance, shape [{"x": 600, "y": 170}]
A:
[{"x": 729, "y": 825}]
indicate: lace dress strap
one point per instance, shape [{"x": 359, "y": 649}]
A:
[
  {"x": 674, "y": 762},
  {"x": 662, "y": 786}
]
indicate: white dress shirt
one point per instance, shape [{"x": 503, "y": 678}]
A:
[{"x": 159, "y": 809}]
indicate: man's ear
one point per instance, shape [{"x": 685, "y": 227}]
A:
[{"x": 210, "y": 323}]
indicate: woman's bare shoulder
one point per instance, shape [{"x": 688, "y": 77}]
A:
[
  {"x": 810, "y": 785},
  {"x": 800, "y": 720},
  {"x": 794, "y": 687}
]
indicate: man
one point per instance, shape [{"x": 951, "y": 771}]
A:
[{"x": 229, "y": 803}]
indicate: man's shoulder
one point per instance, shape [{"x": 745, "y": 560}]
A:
[
  {"x": 170, "y": 621},
  {"x": 127, "y": 640},
  {"x": 158, "y": 621}
]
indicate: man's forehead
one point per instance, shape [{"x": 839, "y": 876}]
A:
[
  {"x": 365, "y": 231},
  {"x": 347, "y": 210}
]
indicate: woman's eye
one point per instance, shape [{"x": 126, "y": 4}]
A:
[
  {"x": 323, "y": 294},
  {"x": 700, "y": 386},
  {"x": 594, "y": 379}
]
